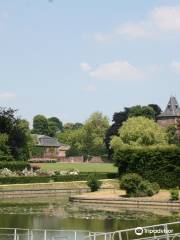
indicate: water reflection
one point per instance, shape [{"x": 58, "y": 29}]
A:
[{"x": 59, "y": 213}]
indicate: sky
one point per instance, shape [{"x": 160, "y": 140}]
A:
[{"x": 69, "y": 58}]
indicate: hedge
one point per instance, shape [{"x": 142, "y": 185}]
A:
[
  {"x": 156, "y": 164},
  {"x": 46, "y": 179},
  {"x": 15, "y": 165}
]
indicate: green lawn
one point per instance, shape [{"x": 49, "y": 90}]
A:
[{"x": 82, "y": 167}]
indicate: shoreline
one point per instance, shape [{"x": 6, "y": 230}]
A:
[
  {"x": 159, "y": 200},
  {"x": 50, "y": 189}
]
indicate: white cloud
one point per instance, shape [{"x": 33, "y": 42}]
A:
[
  {"x": 166, "y": 17},
  {"x": 175, "y": 66},
  {"x": 118, "y": 70},
  {"x": 161, "y": 20},
  {"x": 85, "y": 67},
  {"x": 7, "y": 95}
]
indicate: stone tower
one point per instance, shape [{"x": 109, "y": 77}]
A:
[{"x": 171, "y": 115}]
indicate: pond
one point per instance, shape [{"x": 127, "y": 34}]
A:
[{"x": 59, "y": 213}]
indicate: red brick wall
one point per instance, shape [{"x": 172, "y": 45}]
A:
[
  {"x": 76, "y": 159},
  {"x": 167, "y": 122}
]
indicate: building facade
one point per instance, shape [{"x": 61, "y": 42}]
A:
[
  {"x": 171, "y": 115},
  {"x": 49, "y": 148}
]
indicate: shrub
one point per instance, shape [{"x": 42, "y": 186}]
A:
[
  {"x": 159, "y": 164},
  {"x": 174, "y": 194},
  {"x": 15, "y": 165},
  {"x": 93, "y": 182},
  {"x": 130, "y": 183},
  {"x": 145, "y": 188},
  {"x": 57, "y": 178},
  {"x": 156, "y": 187},
  {"x": 135, "y": 186}
]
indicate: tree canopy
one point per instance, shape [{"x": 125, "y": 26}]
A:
[
  {"x": 87, "y": 139},
  {"x": 139, "y": 131},
  {"x": 14, "y": 135},
  {"x": 46, "y": 126},
  {"x": 150, "y": 111}
]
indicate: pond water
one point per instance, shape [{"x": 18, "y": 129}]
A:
[{"x": 59, "y": 213}]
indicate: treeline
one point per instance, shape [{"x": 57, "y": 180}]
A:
[{"x": 93, "y": 137}]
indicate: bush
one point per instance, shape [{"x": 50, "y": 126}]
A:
[
  {"x": 174, "y": 194},
  {"x": 145, "y": 188},
  {"x": 58, "y": 178},
  {"x": 135, "y": 186},
  {"x": 159, "y": 164},
  {"x": 130, "y": 183},
  {"x": 15, "y": 165},
  {"x": 93, "y": 182}
]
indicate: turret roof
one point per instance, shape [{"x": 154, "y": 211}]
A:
[{"x": 172, "y": 109}]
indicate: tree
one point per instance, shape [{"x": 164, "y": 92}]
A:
[
  {"x": 40, "y": 125},
  {"x": 71, "y": 126},
  {"x": 139, "y": 131},
  {"x": 145, "y": 111},
  {"x": 5, "y": 152},
  {"x": 95, "y": 129},
  {"x": 173, "y": 137},
  {"x": 54, "y": 126},
  {"x": 87, "y": 140},
  {"x": 74, "y": 138},
  {"x": 156, "y": 109},
  {"x": 16, "y": 134},
  {"x": 150, "y": 111},
  {"x": 20, "y": 140},
  {"x": 118, "y": 119}
]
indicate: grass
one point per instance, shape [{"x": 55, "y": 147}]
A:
[{"x": 82, "y": 167}]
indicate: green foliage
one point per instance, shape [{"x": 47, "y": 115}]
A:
[
  {"x": 44, "y": 126},
  {"x": 18, "y": 134},
  {"x": 145, "y": 111},
  {"x": 87, "y": 140},
  {"x": 139, "y": 131},
  {"x": 159, "y": 164},
  {"x": 45, "y": 179},
  {"x": 5, "y": 153},
  {"x": 40, "y": 125},
  {"x": 135, "y": 186},
  {"x": 73, "y": 138},
  {"x": 130, "y": 182},
  {"x": 174, "y": 194},
  {"x": 120, "y": 117},
  {"x": 93, "y": 182},
  {"x": 72, "y": 126},
  {"x": 38, "y": 151},
  {"x": 54, "y": 126},
  {"x": 14, "y": 165},
  {"x": 21, "y": 136},
  {"x": 173, "y": 138}
]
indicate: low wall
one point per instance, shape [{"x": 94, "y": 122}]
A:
[
  {"x": 125, "y": 202},
  {"x": 76, "y": 159}
]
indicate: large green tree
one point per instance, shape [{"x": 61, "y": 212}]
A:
[
  {"x": 88, "y": 139},
  {"x": 15, "y": 133},
  {"x": 139, "y": 131},
  {"x": 150, "y": 111},
  {"x": 54, "y": 126},
  {"x": 40, "y": 125}
]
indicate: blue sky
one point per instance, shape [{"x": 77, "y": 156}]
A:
[{"x": 70, "y": 58}]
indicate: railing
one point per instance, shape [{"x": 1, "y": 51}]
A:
[
  {"x": 41, "y": 234},
  {"x": 167, "y": 231}
]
